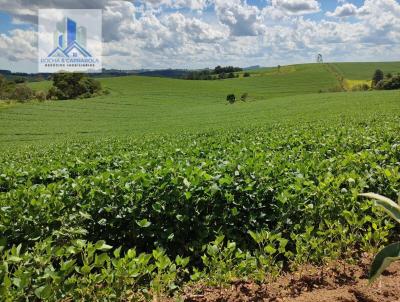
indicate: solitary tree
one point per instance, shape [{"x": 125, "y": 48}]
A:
[
  {"x": 378, "y": 76},
  {"x": 231, "y": 98}
]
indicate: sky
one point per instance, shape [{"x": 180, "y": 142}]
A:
[{"x": 156, "y": 34}]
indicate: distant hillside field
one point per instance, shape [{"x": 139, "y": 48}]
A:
[
  {"x": 144, "y": 105},
  {"x": 365, "y": 71}
]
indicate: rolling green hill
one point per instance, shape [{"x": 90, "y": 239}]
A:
[{"x": 139, "y": 105}]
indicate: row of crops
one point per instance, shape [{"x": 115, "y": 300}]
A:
[{"x": 139, "y": 217}]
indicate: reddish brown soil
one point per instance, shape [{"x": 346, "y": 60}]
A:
[{"x": 338, "y": 282}]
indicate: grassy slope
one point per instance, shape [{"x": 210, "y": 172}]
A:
[
  {"x": 140, "y": 105},
  {"x": 42, "y": 85},
  {"x": 364, "y": 71}
]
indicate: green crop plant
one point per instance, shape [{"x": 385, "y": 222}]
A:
[
  {"x": 391, "y": 252},
  {"x": 85, "y": 271},
  {"x": 270, "y": 247},
  {"x": 224, "y": 262}
]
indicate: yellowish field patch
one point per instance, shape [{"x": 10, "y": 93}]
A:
[{"x": 349, "y": 84}]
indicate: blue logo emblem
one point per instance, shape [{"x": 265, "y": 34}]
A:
[{"x": 69, "y": 40}]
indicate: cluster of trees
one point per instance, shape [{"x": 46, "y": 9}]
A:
[
  {"x": 16, "y": 90},
  {"x": 218, "y": 73},
  {"x": 65, "y": 86},
  {"x": 73, "y": 85},
  {"x": 227, "y": 69},
  {"x": 205, "y": 74},
  {"x": 385, "y": 82}
]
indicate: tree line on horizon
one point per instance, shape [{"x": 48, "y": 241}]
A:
[{"x": 218, "y": 73}]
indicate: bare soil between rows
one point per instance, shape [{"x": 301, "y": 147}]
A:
[{"x": 337, "y": 282}]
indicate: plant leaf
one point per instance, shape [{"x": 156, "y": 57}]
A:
[
  {"x": 102, "y": 246},
  {"x": 388, "y": 205},
  {"x": 144, "y": 223},
  {"x": 382, "y": 260},
  {"x": 43, "y": 292}
]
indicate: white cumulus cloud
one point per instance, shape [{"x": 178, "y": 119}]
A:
[
  {"x": 345, "y": 10},
  {"x": 297, "y": 7},
  {"x": 19, "y": 45},
  {"x": 241, "y": 19}
]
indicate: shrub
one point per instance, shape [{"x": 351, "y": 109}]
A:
[
  {"x": 55, "y": 94},
  {"x": 246, "y": 75},
  {"x": 365, "y": 87},
  {"x": 244, "y": 96},
  {"x": 6, "y": 88},
  {"x": 389, "y": 84},
  {"x": 22, "y": 93},
  {"x": 379, "y": 85},
  {"x": 86, "y": 95},
  {"x": 40, "y": 95},
  {"x": 231, "y": 98},
  {"x": 3, "y": 81},
  {"x": 394, "y": 83}
]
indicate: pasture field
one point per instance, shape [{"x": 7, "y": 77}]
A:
[
  {"x": 139, "y": 105},
  {"x": 365, "y": 70},
  {"x": 160, "y": 183}
]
